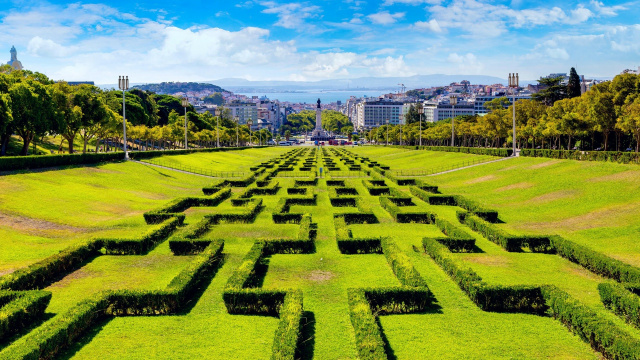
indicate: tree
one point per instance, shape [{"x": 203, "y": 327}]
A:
[
  {"x": 287, "y": 135},
  {"x": 67, "y": 114},
  {"x": 630, "y": 120},
  {"x": 32, "y": 111},
  {"x": 552, "y": 91},
  {"x": 413, "y": 116},
  {"x": 600, "y": 112},
  {"x": 573, "y": 87},
  {"x": 214, "y": 99}
]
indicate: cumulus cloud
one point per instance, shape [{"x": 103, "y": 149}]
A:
[
  {"x": 467, "y": 63},
  {"x": 385, "y": 18},
  {"x": 46, "y": 48},
  {"x": 292, "y": 15},
  {"x": 431, "y": 25}
]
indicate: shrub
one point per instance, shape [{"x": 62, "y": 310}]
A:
[
  {"x": 285, "y": 342},
  {"x": 471, "y": 150},
  {"x": 621, "y": 301},
  {"x": 181, "y": 204},
  {"x": 601, "y": 333},
  {"x": 144, "y": 244},
  {"x": 509, "y": 242},
  {"x": 595, "y": 262},
  {"x": 405, "y": 217},
  {"x": 527, "y": 299},
  {"x": 401, "y": 265},
  {"x": 18, "y": 309},
  {"x": 44, "y": 272},
  {"x": 611, "y": 156},
  {"x": 368, "y": 335}
]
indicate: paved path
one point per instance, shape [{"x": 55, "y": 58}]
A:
[
  {"x": 168, "y": 168},
  {"x": 470, "y": 166}
]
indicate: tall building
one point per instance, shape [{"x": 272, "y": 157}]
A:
[
  {"x": 244, "y": 111},
  {"x": 434, "y": 111},
  {"x": 375, "y": 113},
  {"x": 14, "y": 62}
]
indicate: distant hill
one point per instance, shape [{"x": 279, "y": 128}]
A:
[{"x": 177, "y": 87}]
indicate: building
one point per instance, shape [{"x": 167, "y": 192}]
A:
[
  {"x": 243, "y": 111},
  {"x": 478, "y": 103},
  {"x": 436, "y": 111},
  {"x": 376, "y": 112},
  {"x": 14, "y": 62}
]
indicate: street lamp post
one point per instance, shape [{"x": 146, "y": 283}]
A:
[
  {"x": 387, "y": 133},
  {"x": 420, "y": 112},
  {"x": 514, "y": 80},
  {"x": 218, "y": 112},
  {"x": 185, "y": 103},
  {"x": 453, "y": 100},
  {"x": 249, "y": 123},
  {"x": 123, "y": 84},
  {"x": 237, "y": 135}
]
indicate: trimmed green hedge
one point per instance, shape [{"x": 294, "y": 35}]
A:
[
  {"x": 348, "y": 245},
  {"x": 62, "y": 330},
  {"x": 44, "y": 272},
  {"x": 9, "y": 163},
  {"x": 179, "y": 205},
  {"x": 457, "y": 240},
  {"x": 601, "y": 333},
  {"x": 510, "y": 243},
  {"x": 405, "y": 217},
  {"x": 287, "y": 336},
  {"x": 147, "y": 242},
  {"x": 455, "y": 200},
  {"x": 18, "y": 309},
  {"x": 611, "y": 156},
  {"x": 621, "y": 301},
  {"x": 468, "y": 150},
  {"x": 517, "y": 298},
  {"x": 595, "y": 262}
]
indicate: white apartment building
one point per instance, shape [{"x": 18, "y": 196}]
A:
[
  {"x": 375, "y": 113},
  {"x": 478, "y": 104},
  {"x": 244, "y": 111},
  {"x": 434, "y": 112}
]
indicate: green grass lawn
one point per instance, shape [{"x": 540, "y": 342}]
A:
[
  {"x": 42, "y": 212},
  {"x": 582, "y": 201},
  {"x": 239, "y": 160}
]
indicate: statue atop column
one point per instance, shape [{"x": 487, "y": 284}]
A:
[
  {"x": 15, "y": 63},
  {"x": 318, "y": 134}
]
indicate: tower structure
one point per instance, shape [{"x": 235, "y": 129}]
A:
[
  {"x": 15, "y": 63},
  {"x": 318, "y": 133}
]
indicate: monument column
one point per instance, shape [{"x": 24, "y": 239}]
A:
[{"x": 318, "y": 117}]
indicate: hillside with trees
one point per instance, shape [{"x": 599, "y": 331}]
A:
[{"x": 179, "y": 87}]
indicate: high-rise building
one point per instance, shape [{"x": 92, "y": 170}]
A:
[{"x": 375, "y": 113}]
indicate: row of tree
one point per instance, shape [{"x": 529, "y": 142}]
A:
[
  {"x": 32, "y": 106},
  {"x": 557, "y": 118},
  {"x": 305, "y": 121}
]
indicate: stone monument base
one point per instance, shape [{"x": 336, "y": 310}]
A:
[{"x": 321, "y": 136}]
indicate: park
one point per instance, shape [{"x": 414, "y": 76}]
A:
[{"x": 390, "y": 252}]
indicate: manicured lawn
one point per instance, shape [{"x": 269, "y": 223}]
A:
[{"x": 591, "y": 203}]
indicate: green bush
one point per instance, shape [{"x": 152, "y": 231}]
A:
[
  {"x": 188, "y": 246},
  {"x": 405, "y": 217},
  {"x": 59, "y": 332},
  {"x": 595, "y": 262},
  {"x": 287, "y": 336},
  {"x": 470, "y": 150},
  {"x": 146, "y": 243},
  {"x": 610, "y": 156},
  {"x": 401, "y": 265},
  {"x": 457, "y": 240},
  {"x": 601, "y": 333},
  {"x": 519, "y": 298},
  {"x": 621, "y": 301},
  {"x": 9, "y": 163},
  {"x": 369, "y": 341},
  {"x": 179, "y": 205},
  {"x": 19, "y": 309},
  {"x": 44, "y": 272},
  {"x": 509, "y": 242}
]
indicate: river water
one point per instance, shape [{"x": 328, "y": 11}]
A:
[{"x": 326, "y": 97}]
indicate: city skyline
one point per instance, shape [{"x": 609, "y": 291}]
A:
[{"x": 309, "y": 41}]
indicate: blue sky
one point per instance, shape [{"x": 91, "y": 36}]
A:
[{"x": 153, "y": 41}]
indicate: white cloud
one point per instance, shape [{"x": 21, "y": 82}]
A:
[
  {"x": 411, "y": 2},
  {"x": 431, "y": 25},
  {"x": 467, "y": 64},
  {"x": 291, "y": 15},
  {"x": 47, "y": 48},
  {"x": 385, "y": 18}
]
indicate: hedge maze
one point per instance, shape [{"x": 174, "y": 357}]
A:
[{"x": 354, "y": 191}]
